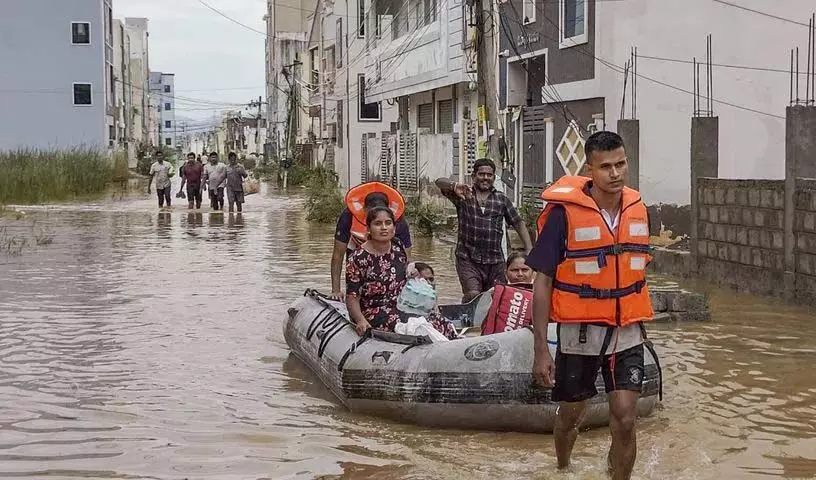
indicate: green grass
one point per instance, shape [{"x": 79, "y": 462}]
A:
[
  {"x": 120, "y": 171},
  {"x": 37, "y": 176}
]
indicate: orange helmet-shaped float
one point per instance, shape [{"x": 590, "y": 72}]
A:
[{"x": 355, "y": 202}]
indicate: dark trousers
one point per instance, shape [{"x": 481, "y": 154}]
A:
[
  {"x": 164, "y": 196},
  {"x": 476, "y": 278},
  {"x": 194, "y": 195},
  {"x": 217, "y": 198}
]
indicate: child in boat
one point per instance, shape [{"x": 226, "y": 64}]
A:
[
  {"x": 425, "y": 271},
  {"x": 419, "y": 301}
]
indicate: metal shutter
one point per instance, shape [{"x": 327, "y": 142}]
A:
[
  {"x": 425, "y": 116},
  {"x": 445, "y": 116}
]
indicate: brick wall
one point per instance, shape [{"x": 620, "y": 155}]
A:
[
  {"x": 804, "y": 230},
  {"x": 741, "y": 228}
]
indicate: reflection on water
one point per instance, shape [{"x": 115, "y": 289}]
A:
[{"x": 146, "y": 344}]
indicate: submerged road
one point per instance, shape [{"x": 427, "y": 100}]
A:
[{"x": 148, "y": 345}]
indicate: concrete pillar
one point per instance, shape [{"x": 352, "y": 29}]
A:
[
  {"x": 629, "y": 130},
  {"x": 800, "y": 161},
  {"x": 705, "y": 146}
]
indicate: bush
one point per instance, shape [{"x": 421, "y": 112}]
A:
[
  {"x": 250, "y": 163},
  {"x": 266, "y": 172},
  {"x": 325, "y": 201},
  {"x": 34, "y": 176},
  {"x": 423, "y": 217}
]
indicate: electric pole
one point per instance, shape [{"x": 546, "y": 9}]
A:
[
  {"x": 486, "y": 68},
  {"x": 258, "y": 104}
]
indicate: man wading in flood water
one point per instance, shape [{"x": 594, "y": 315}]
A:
[
  {"x": 160, "y": 171},
  {"x": 481, "y": 211},
  {"x": 591, "y": 256}
]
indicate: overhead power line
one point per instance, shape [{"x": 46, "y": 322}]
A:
[
  {"x": 758, "y": 12},
  {"x": 230, "y": 18},
  {"x": 617, "y": 68}
]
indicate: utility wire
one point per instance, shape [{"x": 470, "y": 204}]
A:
[
  {"x": 764, "y": 14},
  {"x": 231, "y": 19},
  {"x": 723, "y": 65},
  {"x": 580, "y": 49}
]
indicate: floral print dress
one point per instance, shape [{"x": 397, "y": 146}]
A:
[{"x": 377, "y": 281}]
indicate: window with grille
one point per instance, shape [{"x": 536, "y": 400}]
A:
[
  {"x": 570, "y": 151},
  {"x": 82, "y": 94},
  {"x": 80, "y": 33}
]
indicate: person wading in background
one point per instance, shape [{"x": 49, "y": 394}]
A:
[
  {"x": 160, "y": 172},
  {"x": 481, "y": 211},
  {"x": 192, "y": 174},
  {"x": 215, "y": 177},
  {"x": 236, "y": 173}
]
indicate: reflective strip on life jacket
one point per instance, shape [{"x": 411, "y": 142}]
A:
[
  {"x": 510, "y": 309},
  {"x": 602, "y": 278}
]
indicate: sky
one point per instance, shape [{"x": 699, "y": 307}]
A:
[{"x": 215, "y": 61}]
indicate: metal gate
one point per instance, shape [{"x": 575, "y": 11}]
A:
[{"x": 407, "y": 162}]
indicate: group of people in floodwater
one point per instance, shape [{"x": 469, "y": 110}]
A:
[
  {"x": 215, "y": 177},
  {"x": 586, "y": 274}
]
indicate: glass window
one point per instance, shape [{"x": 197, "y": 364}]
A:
[
  {"x": 80, "y": 33},
  {"x": 573, "y": 15},
  {"x": 368, "y": 111},
  {"x": 82, "y": 94}
]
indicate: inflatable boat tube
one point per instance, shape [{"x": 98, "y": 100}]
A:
[{"x": 481, "y": 382}]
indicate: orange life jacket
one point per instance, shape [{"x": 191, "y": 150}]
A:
[
  {"x": 355, "y": 202},
  {"x": 511, "y": 309},
  {"x": 602, "y": 279}
]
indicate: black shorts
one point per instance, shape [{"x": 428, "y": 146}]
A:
[{"x": 575, "y": 375}]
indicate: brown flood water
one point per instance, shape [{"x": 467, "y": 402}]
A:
[{"x": 148, "y": 345}]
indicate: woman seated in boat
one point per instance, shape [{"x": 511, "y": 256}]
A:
[
  {"x": 516, "y": 269},
  {"x": 511, "y": 304},
  {"x": 375, "y": 276}
]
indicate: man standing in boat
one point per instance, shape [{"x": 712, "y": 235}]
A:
[
  {"x": 351, "y": 231},
  {"x": 481, "y": 211},
  {"x": 591, "y": 256}
]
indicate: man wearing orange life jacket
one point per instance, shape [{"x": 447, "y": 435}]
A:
[
  {"x": 591, "y": 257},
  {"x": 351, "y": 231}
]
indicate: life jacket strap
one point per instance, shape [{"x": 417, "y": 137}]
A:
[
  {"x": 586, "y": 291},
  {"x": 615, "y": 249}
]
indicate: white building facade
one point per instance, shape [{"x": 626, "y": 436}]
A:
[
  {"x": 344, "y": 118},
  {"x": 421, "y": 55},
  {"x": 564, "y": 68},
  {"x": 57, "y": 74},
  {"x": 162, "y": 92},
  {"x": 143, "y": 122},
  {"x": 288, "y": 23}
]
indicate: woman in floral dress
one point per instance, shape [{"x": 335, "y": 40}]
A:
[{"x": 375, "y": 276}]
